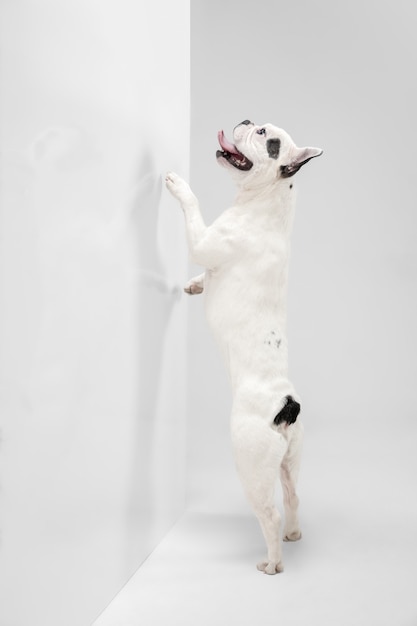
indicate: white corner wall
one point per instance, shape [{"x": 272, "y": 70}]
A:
[{"x": 95, "y": 108}]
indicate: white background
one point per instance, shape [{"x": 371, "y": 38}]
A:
[{"x": 92, "y": 329}]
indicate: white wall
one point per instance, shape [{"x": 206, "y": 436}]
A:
[
  {"x": 335, "y": 75},
  {"x": 92, "y": 327}
]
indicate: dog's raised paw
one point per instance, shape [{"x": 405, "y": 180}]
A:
[
  {"x": 171, "y": 178},
  {"x": 270, "y": 567},
  {"x": 177, "y": 186},
  {"x": 193, "y": 288}
]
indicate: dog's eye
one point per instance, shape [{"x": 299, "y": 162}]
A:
[{"x": 261, "y": 131}]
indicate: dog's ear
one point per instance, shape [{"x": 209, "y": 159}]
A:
[{"x": 299, "y": 157}]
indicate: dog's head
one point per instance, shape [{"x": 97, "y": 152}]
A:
[{"x": 263, "y": 154}]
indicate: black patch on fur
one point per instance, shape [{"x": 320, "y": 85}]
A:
[
  {"x": 246, "y": 122},
  {"x": 291, "y": 186},
  {"x": 289, "y": 412},
  {"x": 273, "y": 146}
]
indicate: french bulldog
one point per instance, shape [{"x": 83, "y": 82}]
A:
[{"x": 245, "y": 253}]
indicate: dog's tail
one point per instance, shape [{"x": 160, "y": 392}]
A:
[{"x": 289, "y": 412}]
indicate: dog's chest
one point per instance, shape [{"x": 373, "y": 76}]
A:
[
  {"x": 260, "y": 245},
  {"x": 253, "y": 280}
]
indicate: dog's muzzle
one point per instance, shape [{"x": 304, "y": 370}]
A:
[{"x": 232, "y": 154}]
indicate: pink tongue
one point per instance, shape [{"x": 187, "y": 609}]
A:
[{"x": 225, "y": 143}]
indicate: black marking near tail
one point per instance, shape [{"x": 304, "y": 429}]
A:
[{"x": 289, "y": 412}]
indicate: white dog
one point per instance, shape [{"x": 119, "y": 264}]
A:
[{"x": 246, "y": 254}]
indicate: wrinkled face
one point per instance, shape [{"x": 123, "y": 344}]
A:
[{"x": 265, "y": 153}]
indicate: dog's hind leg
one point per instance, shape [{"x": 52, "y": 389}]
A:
[
  {"x": 195, "y": 285},
  {"x": 289, "y": 474},
  {"x": 258, "y": 451}
]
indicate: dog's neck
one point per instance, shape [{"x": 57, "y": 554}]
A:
[
  {"x": 268, "y": 191},
  {"x": 276, "y": 200}
]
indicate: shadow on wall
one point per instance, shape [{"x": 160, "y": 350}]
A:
[
  {"x": 86, "y": 305},
  {"x": 156, "y": 299}
]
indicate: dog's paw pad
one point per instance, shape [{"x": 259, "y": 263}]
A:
[
  {"x": 294, "y": 536},
  {"x": 270, "y": 567}
]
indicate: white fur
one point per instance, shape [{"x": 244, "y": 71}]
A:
[{"x": 246, "y": 255}]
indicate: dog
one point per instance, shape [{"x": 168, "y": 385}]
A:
[{"x": 246, "y": 255}]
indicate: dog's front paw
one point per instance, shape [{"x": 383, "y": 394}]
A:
[
  {"x": 270, "y": 567},
  {"x": 178, "y": 187},
  {"x": 195, "y": 285}
]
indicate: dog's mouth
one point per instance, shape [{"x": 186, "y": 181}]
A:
[{"x": 232, "y": 154}]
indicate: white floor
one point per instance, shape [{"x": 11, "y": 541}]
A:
[{"x": 342, "y": 573}]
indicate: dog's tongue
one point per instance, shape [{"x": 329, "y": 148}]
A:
[{"x": 225, "y": 143}]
